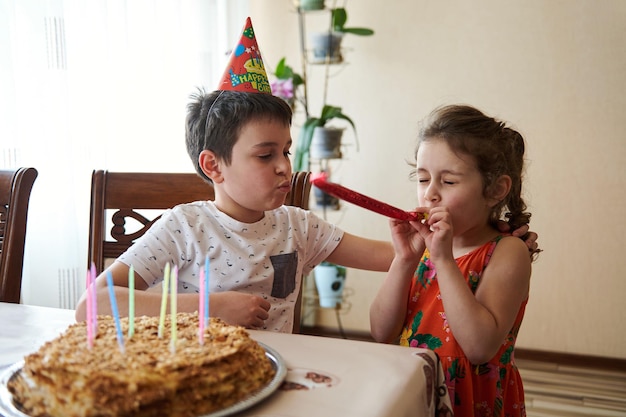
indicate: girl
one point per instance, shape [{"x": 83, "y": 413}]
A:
[{"x": 457, "y": 285}]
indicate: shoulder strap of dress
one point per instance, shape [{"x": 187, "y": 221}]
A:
[{"x": 492, "y": 247}]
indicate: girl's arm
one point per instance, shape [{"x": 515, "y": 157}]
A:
[
  {"x": 388, "y": 310},
  {"x": 480, "y": 322}
]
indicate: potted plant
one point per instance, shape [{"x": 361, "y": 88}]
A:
[
  {"x": 286, "y": 83},
  {"x": 329, "y": 281},
  {"x": 309, "y": 4},
  {"x": 316, "y": 127},
  {"x": 326, "y": 46}
]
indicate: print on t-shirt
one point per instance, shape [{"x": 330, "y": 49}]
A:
[{"x": 285, "y": 267}]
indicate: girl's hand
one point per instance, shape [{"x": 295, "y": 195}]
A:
[
  {"x": 437, "y": 232},
  {"x": 407, "y": 242}
]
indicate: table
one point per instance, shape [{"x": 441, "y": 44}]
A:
[{"x": 345, "y": 377}]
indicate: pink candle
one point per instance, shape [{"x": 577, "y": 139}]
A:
[
  {"x": 89, "y": 310},
  {"x": 207, "y": 275},
  {"x": 131, "y": 302},
  {"x": 94, "y": 301},
  {"x": 201, "y": 308}
]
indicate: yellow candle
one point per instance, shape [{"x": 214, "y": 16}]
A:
[{"x": 166, "y": 284}]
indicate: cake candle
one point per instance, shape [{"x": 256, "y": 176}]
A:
[
  {"x": 94, "y": 298},
  {"x": 89, "y": 310},
  {"x": 207, "y": 275},
  {"x": 201, "y": 308},
  {"x": 166, "y": 282},
  {"x": 131, "y": 302},
  {"x": 116, "y": 313},
  {"x": 174, "y": 308}
]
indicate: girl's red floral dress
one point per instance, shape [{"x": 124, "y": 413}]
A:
[{"x": 489, "y": 389}]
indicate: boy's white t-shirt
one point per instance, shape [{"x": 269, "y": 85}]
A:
[{"x": 266, "y": 258}]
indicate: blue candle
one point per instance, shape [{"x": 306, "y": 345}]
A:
[{"x": 116, "y": 313}]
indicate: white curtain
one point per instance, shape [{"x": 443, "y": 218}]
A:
[{"x": 98, "y": 84}]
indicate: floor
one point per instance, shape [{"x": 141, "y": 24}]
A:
[{"x": 577, "y": 391}]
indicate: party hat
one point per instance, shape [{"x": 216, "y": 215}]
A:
[{"x": 245, "y": 71}]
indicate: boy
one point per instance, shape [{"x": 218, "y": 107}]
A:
[{"x": 258, "y": 248}]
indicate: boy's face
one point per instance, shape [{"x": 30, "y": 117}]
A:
[{"x": 259, "y": 175}]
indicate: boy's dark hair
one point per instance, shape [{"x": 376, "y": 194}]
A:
[
  {"x": 497, "y": 149},
  {"x": 214, "y": 120}
]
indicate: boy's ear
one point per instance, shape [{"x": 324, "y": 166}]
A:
[
  {"x": 210, "y": 165},
  {"x": 500, "y": 189}
]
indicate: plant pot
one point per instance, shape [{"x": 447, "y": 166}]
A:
[
  {"x": 326, "y": 47},
  {"x": 323, "y": 199},
  {"x": 326, "y": 143},
  {"x": 309, "y": 4},
  {"x": 329, "y": 281}
]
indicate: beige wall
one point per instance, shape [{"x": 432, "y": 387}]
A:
[{"x": 557, "y": 71}]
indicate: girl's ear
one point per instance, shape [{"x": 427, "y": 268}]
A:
[
  {"x": 210, "y": 165},
  {"x": 499, "y": 190}
]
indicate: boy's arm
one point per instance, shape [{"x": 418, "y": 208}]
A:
[
  {"x": 146, "y": 302},
  {"x": 357, "y": 252},
  {"x": 236, "y": 308}
]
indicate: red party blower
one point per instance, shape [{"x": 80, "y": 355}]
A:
[{"x": 320, "y": 181}]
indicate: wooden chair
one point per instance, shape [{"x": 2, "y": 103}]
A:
[
  {"x": 15, "y": 189},
  {"x": 118, "y": 196}
]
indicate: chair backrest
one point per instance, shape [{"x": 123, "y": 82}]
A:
[
  {"x": 15, "y": 189},
  {"x": 118, "y": 196}
]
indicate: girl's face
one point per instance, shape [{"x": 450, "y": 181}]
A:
[
  {"x": 448, "y": 179},
  {"x": 259, "y": 175}
]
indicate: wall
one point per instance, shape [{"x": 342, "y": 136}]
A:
[{"x": 557, "y": 71}]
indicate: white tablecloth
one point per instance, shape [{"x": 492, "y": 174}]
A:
[{"x": 326, "y": 377}]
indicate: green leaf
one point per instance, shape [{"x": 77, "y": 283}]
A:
[
  {"x": 339, "y": 18},
  {"x": 285, "y": 72},
  {"x": 359, "y": 31},
  {"x": 281, "y": 68},
  {"x": 301, "y": 157}
]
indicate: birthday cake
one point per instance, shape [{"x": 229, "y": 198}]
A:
[{"x": 66, "y": 377}]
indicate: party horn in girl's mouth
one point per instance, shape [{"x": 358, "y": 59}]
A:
[{"x": 320, "y": 181}]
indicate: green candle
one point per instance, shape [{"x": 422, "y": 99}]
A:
[{"x": 173, "y": 307}]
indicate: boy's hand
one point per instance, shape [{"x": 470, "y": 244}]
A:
[
  {"x": 530, "y": 237},
  {"x": 240, "y": 309}
]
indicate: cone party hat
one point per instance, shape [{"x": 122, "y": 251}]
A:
[{"x": 245, "y": 71}]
